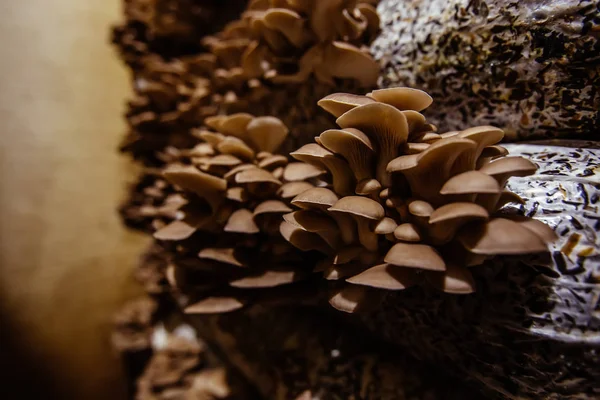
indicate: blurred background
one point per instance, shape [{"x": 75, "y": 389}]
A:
[{"x": 65, "y": 260}]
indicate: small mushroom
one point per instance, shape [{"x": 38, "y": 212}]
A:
[
  {"x": 357, "y": 149},
  {"x": 385, "y": 226},
  {"x": 267, "y": 279},
  {"x": 301, "y": 171},
  {"x": 474, "y": 186},
  {"x": 385, "y": 276},
  {"x": 223, "y": 255},
  {"x": 289, "y": 23},
  {"x": 235, "y": 147},
  {"x": 455, "y": 280},
  {"x": 343, "y": 60},
  {"x": 303, "y": 239},
  {"x": 412, "y": 255},
  {"x": 320, "y": 224},
  {"x": 292, "y": 189},
  {"x": 403, "y": 98},
  {"x": 426, "y": 172},
  {"x": 446, "y": 220},
  {"x": 384, "y": 125},
  {"x": 322, "y": 199},
  {"x": 267, "y": 133},
  {"x": 337, "y": 104},
  {"x": 407, "y": 232},
  {"x": 319, "y": 156},
  {"x": 505, "y": 167},
  {"x": 215, "y": 305},
  {"x": 500, "y": 236},
  {"x": 363, "y": 210},
  {"x": 241, "y": 221},
  {"x": 349, "y": 299}
]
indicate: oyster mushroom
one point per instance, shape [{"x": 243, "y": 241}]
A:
[
  {"x": 385, "y": 126},
  {"x": 357, "y": 149},
  {"x": 317, "y": 155},
  {"x": 363, "y": 211}
]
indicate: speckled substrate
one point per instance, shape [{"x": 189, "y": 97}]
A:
[
  {"x": 531, "y": 67},
  {"x": 533, "y": 329}
]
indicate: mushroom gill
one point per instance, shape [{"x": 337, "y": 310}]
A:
[
  {"x": 432, "y": 208},
  {"x": 224, "y": 232}
]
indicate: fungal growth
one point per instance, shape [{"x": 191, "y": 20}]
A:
[
  {"x": 406, "y": 205},
  {"x": 289, "y": 41},
  {"x": 228, "y": 195}
]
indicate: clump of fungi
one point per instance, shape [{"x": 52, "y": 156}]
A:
[
  {"x": 230, "y": 192},
  {"x": 287, "y": 41},
  {"x": 406, "y": 205}
]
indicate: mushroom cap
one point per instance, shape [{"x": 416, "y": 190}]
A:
[
  {"x": 300, "y": 171},
  {"x": 190, "y": 178},
  {"x": 458, "y": 210},
  {"x": 455, "y": 280},
  {"x": 316, "y": 197},
  {"x": 515, "y": 166},
  {"x": 349, "y": 298},
  {"x": 223, "y": 255},
  {"x": 413, "y": 255},
  {"x": 337, "y": 104},
  {"x": 302, "y": 239},
  {"x": 471, "y": 182},
  {"x": 311, "y": 151},
  {"x": 376, "y": 119},
  {"x": 235, "y": 147},
  {"x": 385, "y": 276},
  {"x": 267, "y": 133},
  {"x": 385, "y": 226},
  {"x": 292, "y": 189},
  {"x": 337, "y": 139},
  {"x": 273, "y": 161},
  {"x": 403, "y": 98},
  {"x": 267, "y": 279},
  {"x": 360, "y": 207},
  {"x": 500, "y": 236},
  {"x": 176, "y": 230},
  {"x": 241, "y": 221},
  {"x": 484, "y": 135},
  {"x": 407, "y": 233},
  {"x": 420, "y": 208},
  {"x": 289, "y": 23},
  {"x": 344, "y": 60},
  {"x": 234, "y": 124},
  {"x": 215, "y": 305},
  {"x": 256, "y": 175},
  {"x": 271, "y": 206}
]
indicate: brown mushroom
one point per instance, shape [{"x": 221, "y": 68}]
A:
[
  {"x": 447, "y": 219},
  {"x": 363, "y": 210},
  {"x": 505, "y": 167},
  {"x": 385, "y": 126},
  {"x": 403, "y": 98},
  {"x": 337, "y": 104},
  {"x": 357, "y": 149},
  {"x": 300, "y": 171},
  {"x": 215, "y": 305},
  {"x": 319, "y": 156},
  {"x": 385, "y": 276},
  {"x": 266, "y": 133},
  {"x": 412, "y": 255},
  {"x": 500, "y": 236}
]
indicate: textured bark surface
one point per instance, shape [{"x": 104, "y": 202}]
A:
[{"x": 530, "y": 67}]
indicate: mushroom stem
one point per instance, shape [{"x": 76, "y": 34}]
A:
[
  {"x": 366, "y": 236},
  {"x": 347, "y": 227}
]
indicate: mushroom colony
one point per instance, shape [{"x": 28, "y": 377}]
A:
[
  {"x": 406, "y": 205},
  {"x": 275, "y": 45},
  {"x": 222, "y": 215},
  {"x": 383, "y": 202}
]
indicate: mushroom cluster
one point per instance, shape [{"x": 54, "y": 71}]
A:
[
  {"x": 406, "y": 204},
  {"x": 170, "y": 100},
  {"x": 231, "y": 190},
  {"x": 288, "y": 41}
]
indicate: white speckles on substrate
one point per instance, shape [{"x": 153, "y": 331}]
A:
[
  {"x": 565, "y": 194},
  {"x": 531, "y": 67}
]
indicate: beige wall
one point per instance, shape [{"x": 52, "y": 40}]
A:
[{"x": 65, "y": 261}]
